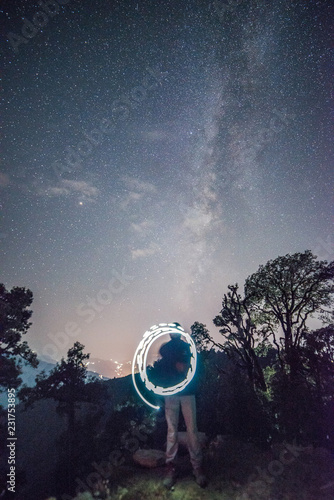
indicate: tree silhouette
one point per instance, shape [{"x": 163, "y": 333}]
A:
[
  {"x": 318, "y": 356},
  {"x": 14, "y": 322},
  {"x": 241, "y": 337},
  {"x": 66, "y": 384},
  {"x": 201, "y": 337},
  {"x": 283, "y": 295}
]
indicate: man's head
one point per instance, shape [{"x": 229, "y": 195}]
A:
[
  {"x": 177, "y": 324},
  {"x": 175, "y": 335}
]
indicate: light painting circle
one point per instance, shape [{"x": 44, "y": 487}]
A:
[{"x": 140, "y": 360}]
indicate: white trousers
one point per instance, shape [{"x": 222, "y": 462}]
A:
[{"x": 172, "y": 410}]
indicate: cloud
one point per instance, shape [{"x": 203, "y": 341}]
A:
[
  {"x": 136, "y": 185},
  {"x": 152, "y": 249},
  {"x": 136, "y": 190},
  {"x": 71, "y": 187},
  {"x": 142, "y": 228},
  {"x": 4, "y": 179},
  {"x": 198, "y": 218},
  {"x": 155, "y": 135}
]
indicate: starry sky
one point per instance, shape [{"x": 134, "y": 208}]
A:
[{"x": 155, "y": 152}]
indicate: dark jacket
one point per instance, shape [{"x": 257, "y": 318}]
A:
[{"x": 173, "y": 366}]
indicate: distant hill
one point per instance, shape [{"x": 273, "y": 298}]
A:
[
  {"x": 105, "y": 369},
  {"x": 28, "y": 377},
  {"x": 109, "y": 368}
]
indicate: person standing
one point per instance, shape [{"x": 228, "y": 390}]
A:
[{"x": 176, "y": 357}]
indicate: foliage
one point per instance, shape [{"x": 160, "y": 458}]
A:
[
  {"x": 211, "y": 402},
  {"x": 241, "y": 337},
  {"x": 14, "y": 322},
  {"x": 318, "y": 364},
  {"x": 283, "y": 294},
  {"x": 266, "y": 333},
  {"x": 318, "y": 354},
  {"x": 66, "y": 384},
  {"x": 201, "y": 337}
]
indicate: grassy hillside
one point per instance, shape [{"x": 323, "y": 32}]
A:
[{"x": 236, "y": 471}]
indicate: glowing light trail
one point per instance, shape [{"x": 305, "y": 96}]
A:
[{"x": 140, "y": 359}]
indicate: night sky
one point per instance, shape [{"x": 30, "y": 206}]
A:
[{"x": 155, "y": 152}]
